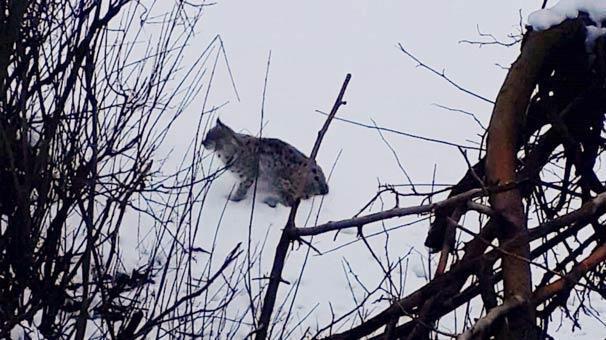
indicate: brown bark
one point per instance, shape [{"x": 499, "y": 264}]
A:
[
  {"x": 460, "y": 271},
  {"x": 507, "y": 119},
  {"x": 597, "y": 256}
]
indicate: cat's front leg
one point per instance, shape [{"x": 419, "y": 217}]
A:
[{"x": 242, "y": 190}]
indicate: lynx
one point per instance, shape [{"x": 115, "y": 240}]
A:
[{"x": 284, "y": 172}]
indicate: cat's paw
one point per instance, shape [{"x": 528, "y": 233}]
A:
[
  {"x": 271, "y": 201},
  {"x": 236, "y": 198}
]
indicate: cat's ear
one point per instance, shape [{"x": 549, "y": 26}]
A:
[{"x": 224, "y": 128}]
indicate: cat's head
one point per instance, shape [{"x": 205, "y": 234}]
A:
[
  {"x": 316, "y": 182},
  {"x": 218, "y": 136}
]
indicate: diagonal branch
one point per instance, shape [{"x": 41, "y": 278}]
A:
[
  {"x": 484, "y": 324},
  {"x": 286, "y": 238},
  {"x": 597, "y": 256},
  {"x": 442, "y": 75}
]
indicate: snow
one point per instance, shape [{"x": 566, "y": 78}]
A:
[
  {"x": 544, "y": 19},
  {"x": 593, "y": 33},
  {"x": 309, "y": 62},
  {"x": 568, "y": 9},
  {"x": 419, "y": 271}
]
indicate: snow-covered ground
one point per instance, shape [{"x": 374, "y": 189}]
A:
[{"x": 313, "y": 45}]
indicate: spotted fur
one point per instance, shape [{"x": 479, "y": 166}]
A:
[{"x": 286, "y": 171}]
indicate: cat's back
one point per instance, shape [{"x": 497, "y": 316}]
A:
[{"x": 282, "y": 153}]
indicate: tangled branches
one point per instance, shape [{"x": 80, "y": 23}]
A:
[
  {"x": 82, "y": 116},
  {"x": 540, "y": 196}
]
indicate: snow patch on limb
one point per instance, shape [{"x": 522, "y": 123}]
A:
[
  {"x": 593, "y": 33},
  {"x": 569, "y": 9},
  {"x": 544, "y": 19}
]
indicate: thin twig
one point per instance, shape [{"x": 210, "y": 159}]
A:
[{"x": 442, "y": 75}]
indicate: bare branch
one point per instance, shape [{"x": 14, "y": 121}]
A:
[
  {"x": 482, "y": 325},
  {"x": 395, "y": 212}
]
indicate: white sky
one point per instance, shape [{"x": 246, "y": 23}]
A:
[{"x": 313, "y": 45}]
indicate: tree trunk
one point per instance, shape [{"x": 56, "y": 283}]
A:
[{"x": 507, "y": 119}]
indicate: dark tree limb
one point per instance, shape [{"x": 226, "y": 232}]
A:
[
  {"x": 501, "y": 161},
  {"x": 387, "y": 214},
  {"x": 286, "y": 238},
  {"x": 483, "y": 325}
]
